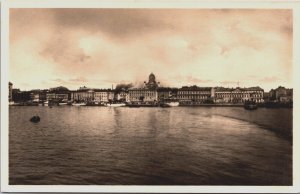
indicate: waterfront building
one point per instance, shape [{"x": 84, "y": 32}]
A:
[
  {"x": 223, "y": 95},
  {"x": 15, "y": 91},
  {"x": 83, "y": 94},
  {"x": 111, "y": 95},
  {"x": 272, "y": 95},
  {"x": 289, "y": 93},
  {"x": 281, "y": 94},
  {"x": 57, "y": 97},
  {"x": 123, "y": 96},
  {"x": 266, "y": 96},
  {"x": 146, "y": 94},
  {"x": 195, "y": 94},
  {"x": 101, "y": 95},
  {"x": 27, "y": 96},
  {"x": 35, "y": 95},
  {"x": 142, "y": 95},
  {"x": 174, "y": 92},
  {"x": 238, "y": 95},
  {"x": 21, "y": 96},
  {"x": 164, "y": 93},
  {"x": 43, "y": 95},
  {"x": 10, "y": 88},
  {"x": 256, "y": 93},
  {"x": 58, "y": 94}
]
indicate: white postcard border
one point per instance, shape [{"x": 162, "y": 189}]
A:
[{"x": 5, "y": 5}]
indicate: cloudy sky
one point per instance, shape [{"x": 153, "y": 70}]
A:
[{"x": 101, "y": 47}]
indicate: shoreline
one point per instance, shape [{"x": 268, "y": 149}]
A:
[
  {"x": 214, "y": 105},
  {"x": 181, "y": 105}
]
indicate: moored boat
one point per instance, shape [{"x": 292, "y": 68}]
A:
[
  {"x": 172, "y": 103},
  {"x": 115, "y": 104},
  {"x": 92, "y": 103},
  {"x": 63, "y": 102},
  {"x": 45, "y": 103},
  {"x": 169, "y": 103},
  {"x": 250, "y": 105},
  {"x": 165, "y": 105},
  {"x": 79, "y": 104}
]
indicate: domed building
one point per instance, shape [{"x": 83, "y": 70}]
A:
[
  {"x": 146, "y": 94},
  {"x": 58, "y": 94},
  {"x": 152, "y": 84}
]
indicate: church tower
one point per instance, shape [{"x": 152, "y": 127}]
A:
[{"x": 152, "y": 84}]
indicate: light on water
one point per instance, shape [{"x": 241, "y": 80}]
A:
[{"x": 149, "y": 146}]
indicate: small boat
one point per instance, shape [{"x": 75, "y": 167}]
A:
[
  {"x": 63, "y": 103},
  {"x": 250, "y": 105},
  {"x": 172, "y": 103},
  {"x": 93, "y": 103},
  {"x": 169, "y": 104},
  {"x": 79, "y": 104},
  {"x": 164, "y": 105},
  {"x": 115, "y": 104},
  {"x": 35, "y": 119},
  {"x": 15, "y": 104}
]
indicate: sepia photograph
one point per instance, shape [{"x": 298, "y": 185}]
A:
[{"x": 126, "y": 96}]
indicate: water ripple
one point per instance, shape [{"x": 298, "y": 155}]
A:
[{"x": 149, "y": 146}]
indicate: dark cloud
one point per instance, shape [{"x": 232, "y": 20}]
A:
[
  {"x": 121, "y": 87},
  {"x": 64, "y": 50},
  {"x": 114, "y": 22}
]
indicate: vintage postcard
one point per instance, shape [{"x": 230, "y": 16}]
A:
[{"x": 140, "y": 96}]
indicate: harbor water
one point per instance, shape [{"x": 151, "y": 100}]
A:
[{"x": 149, "y": 146}]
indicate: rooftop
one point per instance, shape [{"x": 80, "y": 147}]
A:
[{"x": 194, "y": 87}]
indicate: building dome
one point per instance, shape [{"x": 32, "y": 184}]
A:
[
  {"x": 151, "y": 77},
  {"x": 151, "y": 83}
]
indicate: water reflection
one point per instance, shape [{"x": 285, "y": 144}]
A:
[{"x": 148, "y": 146}]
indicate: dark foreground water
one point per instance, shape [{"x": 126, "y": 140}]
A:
[{"x": 149, "y": 146}]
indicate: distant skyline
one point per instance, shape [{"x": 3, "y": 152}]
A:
[{"x": 182, "y": 47}]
